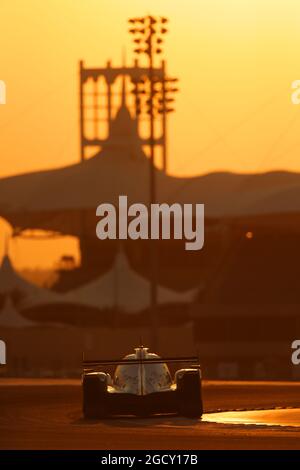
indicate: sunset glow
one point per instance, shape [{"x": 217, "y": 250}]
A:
[{"x": 235, "y": 60}]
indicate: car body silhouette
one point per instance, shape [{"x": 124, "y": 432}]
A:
[{"x": 141, "y": 385}]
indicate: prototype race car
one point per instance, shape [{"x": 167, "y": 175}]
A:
[{"x": 142, "y": 385}]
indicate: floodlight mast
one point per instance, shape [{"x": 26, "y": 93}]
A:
[{"x": 148, "y": 35}]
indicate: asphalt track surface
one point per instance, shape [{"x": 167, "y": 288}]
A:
[{"x": 46, "y": 414}]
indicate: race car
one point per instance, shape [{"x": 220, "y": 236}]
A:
[{"x": 142, "y": 385}]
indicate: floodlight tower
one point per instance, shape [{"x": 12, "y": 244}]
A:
[{"x": 148, "y": 35}]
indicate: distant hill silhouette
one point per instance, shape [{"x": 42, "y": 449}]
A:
[{"x": 31, "y": 199}]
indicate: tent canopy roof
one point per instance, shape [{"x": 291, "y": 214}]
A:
[
  {"x": 54, "y": 199},
  {"x": 121, "y": 287}
]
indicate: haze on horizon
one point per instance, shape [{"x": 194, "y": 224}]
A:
[{"x": 235, "y": 60}]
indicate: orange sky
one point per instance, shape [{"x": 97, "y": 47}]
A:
[{"x": 236, "y": 60}]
